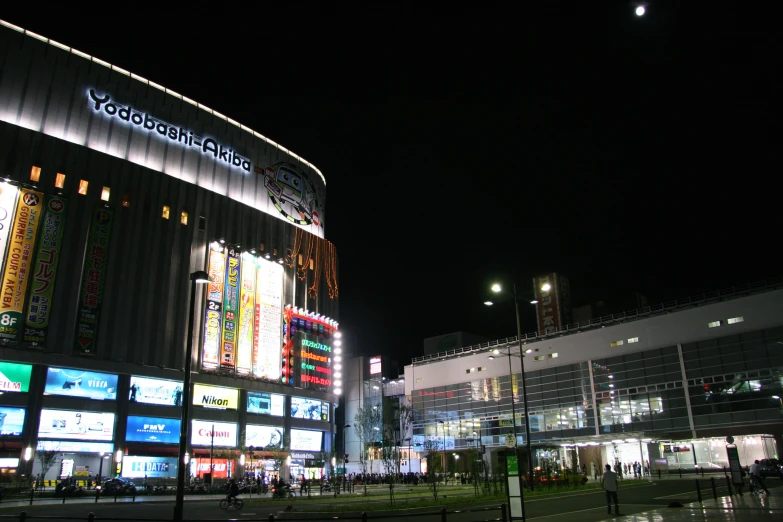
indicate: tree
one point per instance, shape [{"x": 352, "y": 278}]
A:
[
  {"x": 47, "y": 459},
  {"x": 405, "y": 417},
  {"x": 434, "y": 463},
  {"x": 366, "y": 425}
]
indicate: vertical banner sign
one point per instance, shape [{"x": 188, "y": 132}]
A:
[
  {"x": 8, "y": 194},
  {"x": 17, "y": 263},
  {"x": 230, "y": 311},
  {"x": 267, "y": 339},
  {"x": 93, "y": 277},
  {"x": 45, "y": 270},
  {"x": 212, "y": 330},
  {"x": 247, "y": 299}
]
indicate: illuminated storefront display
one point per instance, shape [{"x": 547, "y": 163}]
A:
[
  {"x": 219, "y": 468},
  {"x": 306, "y": 440},
  {"x": 15, "y": 377},
  {"x": 79, "y": 425},
  {"x": 11, "y": 421},
  {"x": 266, "y": 403},
  {"x": 313, "y": 409},
  {"x": 263, "y": 436},
  {"x": 214, "y": 307},
  {"x": 155, "y": 391},
  {"x": 152, "y": 429},
  {"x": 8, "y": 195},
  {"x": 215, "y": 397},
  {"x": 149, "y": 467},
  {"x": 207, "y": 433},
  {"x": 81, "y": 383}
]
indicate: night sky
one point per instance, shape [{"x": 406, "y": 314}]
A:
[{"x": 464, "y": 145}]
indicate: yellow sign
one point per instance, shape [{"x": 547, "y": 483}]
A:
[
  {"x": 18, "y": 260},
  {"x": 215, "y": 397}
]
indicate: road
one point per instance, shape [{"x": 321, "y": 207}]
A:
[{"x": 579, "y": 506}]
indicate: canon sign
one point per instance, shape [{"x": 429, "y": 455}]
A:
[{"x": 216, "y": 434}]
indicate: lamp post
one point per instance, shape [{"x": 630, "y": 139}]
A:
[{"x": 184, "y": 428}]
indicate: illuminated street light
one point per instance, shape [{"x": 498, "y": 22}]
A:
[
  {"x": 640, "y": 10},
  {"x": 546, "y": 287},
  {"x": 488, "y": 303},
  {"x": 496, "y": 288}
]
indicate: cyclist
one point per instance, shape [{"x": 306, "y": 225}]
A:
[
  {"x": 233, "y": 491},
  {"x": 755, "y": 476}
]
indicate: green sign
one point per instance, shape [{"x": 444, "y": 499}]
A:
[
  {"x": 339, "y": 471},
  {"x": 512, "y": 465},
  {"x": 44, "y": 271},
  {"x": 15, "y": 377},
  {"x": 96, "y": 259}
]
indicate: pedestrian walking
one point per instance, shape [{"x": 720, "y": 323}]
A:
[
  {"x": 609, "y": 483},
  {"x": 755, "y": 475}
]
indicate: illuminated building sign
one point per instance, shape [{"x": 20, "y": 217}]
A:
[
  {"x": 307, "y": 350},
  {"x": 167, "y": 131},
  {"x": 15, "y": 377},
  {"x": 375, "y": 365},
  {"x": 215, "y": 397},
  {"x": 214, "y": 316},
  {"x": 206, "y": 433}
]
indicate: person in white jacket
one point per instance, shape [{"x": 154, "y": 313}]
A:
[{"x": 609, "y": 483}]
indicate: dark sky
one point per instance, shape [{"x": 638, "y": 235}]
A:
[{"x": 463, "y": 145}]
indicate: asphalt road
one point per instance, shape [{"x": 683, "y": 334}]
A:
[{"x": 584, "y": 506}]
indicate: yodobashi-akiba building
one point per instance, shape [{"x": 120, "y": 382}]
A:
[{"x": 113, "y": 190}]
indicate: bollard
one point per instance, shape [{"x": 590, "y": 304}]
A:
[
  {"x": 503, "y": 512},
  {"x": 364, "y": 516},
  {"x": 680, "y": 470},
  {"x": 134, "y": 496},
  {"x": 659, "y": 473},
  {"x": 442, "y": 514},
  {"x": 698, "y": 490},
  {"x": 728, "y": 484},
  {"x": 32, "y": 492},
  {"x": 271, "y": 517},
  {"x": 23, "y": 516},
  {"x": 97, "y": 493},
  {"x": 90, "y": 517},
  {"x": 714, "y": 490}
]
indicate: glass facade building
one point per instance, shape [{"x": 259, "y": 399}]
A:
[{"x": 641, "y": 390}]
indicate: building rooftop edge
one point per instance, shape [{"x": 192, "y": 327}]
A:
[
  {"x": 160, "y": 88},
  {"x": 735, "y": 292}
]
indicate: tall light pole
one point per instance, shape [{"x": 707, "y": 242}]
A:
[
  {"x": 497, "y": 289},
  {"x": 196, "y": 278}
]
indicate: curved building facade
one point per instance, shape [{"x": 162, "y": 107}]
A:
[{"x": 113, "y": 191}]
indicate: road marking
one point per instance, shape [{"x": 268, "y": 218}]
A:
[
  {"x": 647, "y": 506},
  {"x": 248, "y": 514},
  {"x": 676, "y": 495}
]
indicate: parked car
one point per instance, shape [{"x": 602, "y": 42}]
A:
[
  {"x": 770, "y": 468},
  {"x": 117, "y": 486}
]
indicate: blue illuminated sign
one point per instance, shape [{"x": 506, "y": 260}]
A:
[
  {"x": 11, "y": 421},
  {"x": 81, "y": 383},
  {"x": 152, "y": 429}
]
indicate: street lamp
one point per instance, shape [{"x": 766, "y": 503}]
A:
[
  {"x": 640, "y": 10},
  {"x": 184, "y": 427},
  {"x": 497, "y": 288}
]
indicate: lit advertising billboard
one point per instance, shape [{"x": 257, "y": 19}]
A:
[
  {"x": 155, "y": 391},
  {"x": 80, "y": 425},
  {"x": 313, "y": 409},
  {"x": 204, "y": 433},
  {"x": 73, "y": 446},
  {"x": 220, "y": 468},
  {"x": 230, "y": 311},
  {"x": 215, "y": 397},
  {"x": 150, "y": 467},
  {"x": 314, "y": 358},
  {"x": 214, "y": 315},
  {"x": 553, "y": 310},
  {"x": 247, "y": 305},
  {"x": 11, "y": 421},
  {"x": 263, "y": 436},
  {"x": 375, "y": 365},
  {"x": 8, "y": 194},
  {"x": 266, "y": 403},
  {"x": 81, "y": 383},
  {"x": 152, "y": 429},
  {"x": 267, "y": 325},
  {"x": 15, "y": 377},
  {"x": 306, "y": 440}
]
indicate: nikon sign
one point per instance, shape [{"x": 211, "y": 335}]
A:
[{"x": 215, "y": 397}]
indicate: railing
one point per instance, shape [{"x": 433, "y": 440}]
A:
[{"x": 638, "y": 314}]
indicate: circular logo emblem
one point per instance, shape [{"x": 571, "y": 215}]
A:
[
  {"x": 292, "y": 194},
  {"x": 31, "y": 199},
  {"x": 510, "y": 440},
  {"x": 56, "y": 205}
]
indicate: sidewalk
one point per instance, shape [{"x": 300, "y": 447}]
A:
[{"x": 725, "y": 509}]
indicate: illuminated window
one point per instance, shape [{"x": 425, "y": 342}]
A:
[
  {"x": 617, "y": 343},
  {"x": 183, "y": 218},
  {"x": 552, "y": 355},
  {"x": 166, "y": 211},
  {"x": 83, "y": 187},
  {"x": 311, "y": 264},
  {"x": 633, "y": 340},
  {"x": 202, "y": 223},
  {"x": 714, "y": 324},
  {"x": 35, "y": 173},
  {"x": 59, "y": 180},
  {"x": 735, "y": 320},
  {"x": 539, "y": 357},
  {"x": 301, "y": 260},
  {"x": 126, "y": 200},
  {"x": 105, "y": 193},
  {"x": 418, "y": 379}
]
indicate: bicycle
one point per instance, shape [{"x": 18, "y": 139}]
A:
[{"x": 236, "y": 502}]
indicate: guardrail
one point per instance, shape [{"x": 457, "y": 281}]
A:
[{"x": 638, "y": 314}]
